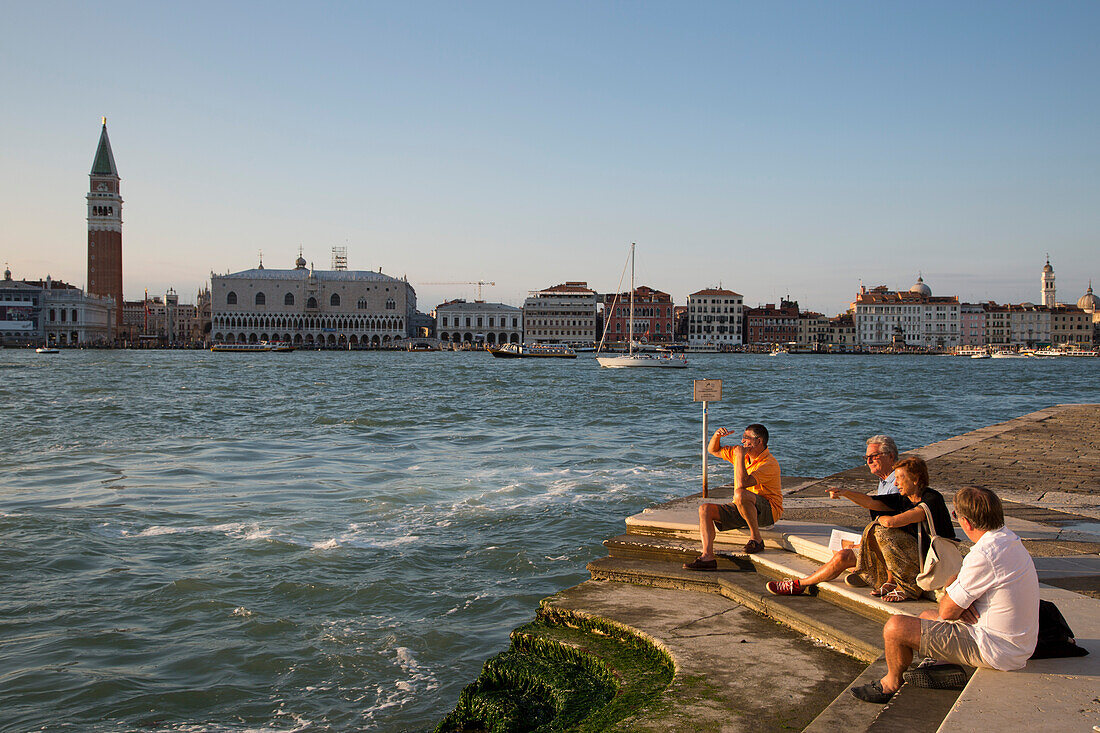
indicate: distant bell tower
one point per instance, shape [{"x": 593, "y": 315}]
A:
[
  {"x": 1048, "y": 284},
  {"x": 105, "y": 227}
]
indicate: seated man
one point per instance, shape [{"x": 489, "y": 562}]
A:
[
  {"x": 882, "y": 454},
  {"x": 757, "y": 494},
  {"x": 989, "y": 616}
]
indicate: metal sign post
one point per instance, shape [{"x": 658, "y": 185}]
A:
[{"x": 706, "y": 390}]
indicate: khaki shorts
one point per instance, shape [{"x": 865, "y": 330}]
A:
[
  {"x": 950, "y": 641},
  {"x": 730, "y": 518}
]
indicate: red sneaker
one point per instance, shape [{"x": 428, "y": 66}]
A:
[{"x": 785, "y": 587}]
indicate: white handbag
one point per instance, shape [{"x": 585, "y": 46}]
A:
[{"x": 943, "y": 561}]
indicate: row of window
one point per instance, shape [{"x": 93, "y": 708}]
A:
[
  {"x": 457, "y": 321},
  {"x": 59, "y": 315},
  {"x": 288, "y": 299}
]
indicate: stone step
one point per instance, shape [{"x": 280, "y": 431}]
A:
[
  {"x": 771, "y": 563},
  {"x": 849, "y": 632}
]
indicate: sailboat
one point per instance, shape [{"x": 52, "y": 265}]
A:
[{"x": 632, "y": 358}]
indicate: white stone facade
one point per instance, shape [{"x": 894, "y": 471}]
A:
[
  {"x": 563, "y": 314},
  {"x": 920, "y": 318},
  {"x": 73, "y": 317},
  {"x": 478, "y": 323},
  {"x": 715, "y": 316},
  {"x": 305, "y": 307}
]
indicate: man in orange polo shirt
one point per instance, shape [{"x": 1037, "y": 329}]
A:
[{"x": 757, "y": 494}]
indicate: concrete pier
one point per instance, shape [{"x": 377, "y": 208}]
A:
[{"x": 748, "y": 661}]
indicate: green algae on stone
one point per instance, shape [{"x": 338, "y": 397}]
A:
[{"x": 563, "y": 672}]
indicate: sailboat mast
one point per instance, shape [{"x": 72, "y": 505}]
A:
[{"x": 630, "y": 344}]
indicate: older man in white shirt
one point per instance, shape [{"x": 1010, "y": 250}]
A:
[
  {"x": 989, "y": 616},
  {"x": 881, "y": 455}
]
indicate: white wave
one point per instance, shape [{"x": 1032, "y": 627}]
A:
[{"x": 416, "y": 679}]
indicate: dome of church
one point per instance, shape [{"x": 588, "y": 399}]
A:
[
  {"x": 1089, "y": 302},
  {"x": 1047, "y": 267},
  {"x": 300, "y": 263},
  {"x": 920, "y": 287}
]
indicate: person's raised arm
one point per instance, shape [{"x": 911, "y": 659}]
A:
[
  {"x": 715, "y": 445},
  {"x": 863, "y": 500}
]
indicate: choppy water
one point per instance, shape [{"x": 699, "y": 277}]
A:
[{"x": 336, "y": 541}]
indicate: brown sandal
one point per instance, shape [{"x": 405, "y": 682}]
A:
[{"x": 754, "y": 546}]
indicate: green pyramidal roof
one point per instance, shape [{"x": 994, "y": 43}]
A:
[{"x": 104, "y": 163}]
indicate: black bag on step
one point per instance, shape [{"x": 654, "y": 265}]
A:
[{"x": 1055, "y": 635}]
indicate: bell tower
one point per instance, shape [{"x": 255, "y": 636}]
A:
[
  {"x": 105, "y": 227},
  {"x": 1048, "y": 284}
]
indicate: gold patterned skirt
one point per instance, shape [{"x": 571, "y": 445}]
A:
[{"x": 889, "y": 551}]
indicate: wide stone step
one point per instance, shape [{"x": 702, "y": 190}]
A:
[
  {"x": 847, "y": 631},
  {"x": 771, "y": 563}
]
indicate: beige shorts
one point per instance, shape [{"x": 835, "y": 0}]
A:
[{"x": 949, "y": 641}]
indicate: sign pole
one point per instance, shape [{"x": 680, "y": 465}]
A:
[
  {"x": 706, "y": 390},
  {"x": 704, "y": 449}
]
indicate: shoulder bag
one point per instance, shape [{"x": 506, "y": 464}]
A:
[{"x": 943, "y": 561}]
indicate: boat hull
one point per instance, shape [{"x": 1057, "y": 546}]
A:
[{"x": 640, "y": 361}]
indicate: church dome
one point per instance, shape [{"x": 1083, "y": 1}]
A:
[
  {"x": 1047, "y": 267},
  {"x": 920, "y": 288},
  {"x": 1089, "y": 302},
  {"x": 300, "y": 263}
]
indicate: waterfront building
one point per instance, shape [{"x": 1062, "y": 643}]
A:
[
  {"x": 997, "y": 331},
  {"x": 50, "y": 311},
  {"x": 1090, "y": 304},
  {"x": 680, "y": 323},
  {"x": 884, "y": 317},
  {"x": 715, "y": 318},
  {"x": 768, "y": 324},
  {"x": 653, "y": 316},
  {"x": 971, "y": 324},
  {"x": 1048, "y": 292},
  {"x": 72, "y": 317},
  {"x": 563, "y": 313},
  {"x": 105, "y": 225},
  {"x": 1071, "y": 326},
  {"x": 813, "y": 329},
  {"x": 842, "y": 333},
  {"x": 308, "y": 307},
  {"x": 478, "y": 322},
  {"x": 21, "y": 322}
]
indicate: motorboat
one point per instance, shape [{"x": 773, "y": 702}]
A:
[
  {"x": 47, "y": 350},
  {"x": 634, "y": 358},
  {"x": 534, "y": 351},
  {"x": 261, "y": 347}
]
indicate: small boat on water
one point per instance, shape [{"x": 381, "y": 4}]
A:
[
  {"x": 1009, "y": 355},
  {"x": 261, "y": 347},
  {"x": 47, "y": 350},
  {"x": 634, "y": 356},
  {"x": 534, "y": 351},
  {"x": 423, "y": 345},
  {"x": 981, "y": 355}
]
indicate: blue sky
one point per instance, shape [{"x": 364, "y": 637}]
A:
[{"x": 771, "y": 147}]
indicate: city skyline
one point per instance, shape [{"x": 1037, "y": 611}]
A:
[{"x": 775, "y": 151}]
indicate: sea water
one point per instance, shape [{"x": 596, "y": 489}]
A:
[{"x": 195, "y": 541}]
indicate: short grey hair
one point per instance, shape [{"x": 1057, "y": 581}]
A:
[{"x": 887, "y": 443}]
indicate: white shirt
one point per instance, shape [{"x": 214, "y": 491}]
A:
[
  {"x": 998, "y": 578},
  {"x": 887, "y": 485}
]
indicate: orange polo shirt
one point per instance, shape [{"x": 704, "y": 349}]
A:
[{"x": 765, "y": 469}]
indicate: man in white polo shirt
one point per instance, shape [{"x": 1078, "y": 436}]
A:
[{"x": 989, "y": 616}]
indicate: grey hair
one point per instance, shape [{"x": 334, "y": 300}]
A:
[{"x": 887, "y": 443}]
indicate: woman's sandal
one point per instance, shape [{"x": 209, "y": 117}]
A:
[
  {"x": 895, "y": 596},
  {"x": 883, "y": 589}
]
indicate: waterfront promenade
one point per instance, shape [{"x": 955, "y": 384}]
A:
[{"x": 748, "y": 661}]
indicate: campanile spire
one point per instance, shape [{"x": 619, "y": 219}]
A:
[{"x": 105, "y": 226}]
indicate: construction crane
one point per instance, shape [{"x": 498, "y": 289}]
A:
[{"x": 479, "y": 283}]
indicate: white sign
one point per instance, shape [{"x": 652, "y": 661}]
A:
[{"x": 707, "y": 390}]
